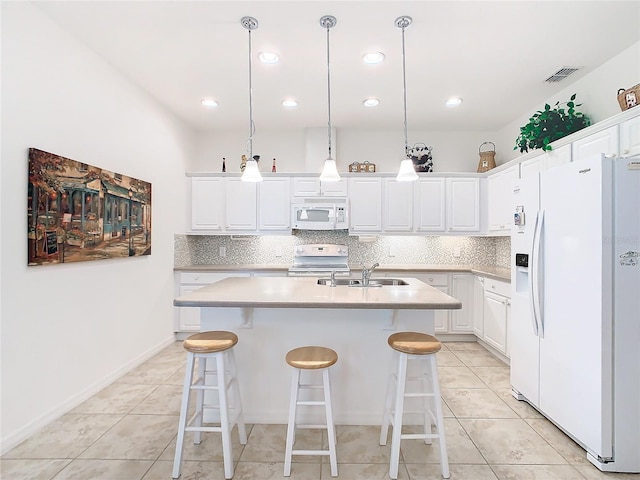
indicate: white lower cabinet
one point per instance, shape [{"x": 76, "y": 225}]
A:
[
  {"x": 441, "y": 282},
  {"x": 497, "y": 312},
  {"x": 461, "y": 321},
  {"x": 187, "y": 319},
  {"x": 478, "y": 306}
]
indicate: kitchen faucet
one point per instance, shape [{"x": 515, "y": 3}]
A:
[{"x": 366, "y": 273}]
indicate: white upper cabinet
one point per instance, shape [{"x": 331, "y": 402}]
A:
[
  {"x": 398, "y": 206},
  {"x": 599, "y": 143},
  {"x": 500, "y": 208},
  {"x": 630, "y": 137},
  {"x": 241, "y": 201},
  {"x": 365, "y": 204},
  {"x": 556, "y": 157},
  {"x": 463, "y": 204},
  {"x": 274, "y": 205},
  {"x": 313, "y": 187},
  {"x": 430, "y": 205},
  {"x": 207, "y": 204}
]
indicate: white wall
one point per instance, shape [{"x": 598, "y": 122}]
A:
[
  {"x": 452, "y": 151},
  {"x": 596, "y": 91},
  {"x": 69, "y": 329}
]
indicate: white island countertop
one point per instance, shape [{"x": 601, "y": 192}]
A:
[{"x": 304, "y": 292}]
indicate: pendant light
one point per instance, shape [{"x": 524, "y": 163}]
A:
[
  {"x": 251, "y": 172},
  {"x": 329, "y": 170},
  {"x": 406, "y": 173}
]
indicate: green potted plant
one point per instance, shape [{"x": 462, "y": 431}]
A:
[{"x": 550, "y": 124}]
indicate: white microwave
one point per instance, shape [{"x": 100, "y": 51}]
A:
[{"x": 314, "y": 214}]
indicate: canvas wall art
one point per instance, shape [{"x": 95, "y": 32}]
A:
[{"x": 77, "y": 212}]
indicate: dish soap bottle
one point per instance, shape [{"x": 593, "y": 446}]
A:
[{"x": 224, "y": 164}]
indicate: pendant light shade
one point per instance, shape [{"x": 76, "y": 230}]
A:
[
  {"x": 407, "y": 172},
  {"x": 329, "y": 170},
  {"x": 251, "y": 172}
]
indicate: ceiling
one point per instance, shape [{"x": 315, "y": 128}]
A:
[{"x": 495, "y": 55}]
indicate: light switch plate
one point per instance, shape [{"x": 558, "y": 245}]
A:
[{"x": 223, "y": 251}]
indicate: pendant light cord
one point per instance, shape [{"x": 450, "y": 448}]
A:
[
  {"x": 252, "y": 126},
  {"x": 404, "y": 22},
  {"x": 328, "y": 92},
  {"x": 250, "y": 23},
  {"x": 328, "y": 22}
]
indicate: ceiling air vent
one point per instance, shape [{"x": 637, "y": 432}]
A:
[{"x": 561, "y": 74}]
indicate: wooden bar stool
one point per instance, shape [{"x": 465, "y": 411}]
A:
[
  {"x": 218, "y": 346},
  {"x": 422, "y": 347},
  {"x": 311, "y": 358}
]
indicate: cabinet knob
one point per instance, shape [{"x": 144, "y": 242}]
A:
[
  {"x": 431, "y": 279},
  {"x": 493, "y": 286}
]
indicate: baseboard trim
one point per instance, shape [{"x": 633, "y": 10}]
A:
[{"x": 15, "y": 438}]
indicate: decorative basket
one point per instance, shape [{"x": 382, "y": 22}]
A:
[
  {"x": 487, "y": 158},
  {"x": 629, "y": 98}
]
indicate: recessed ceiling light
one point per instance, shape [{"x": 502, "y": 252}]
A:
[
  {"x": 453, "y": 102},
  {"x": 209, "y": 103},
  {"x": 268, "y": 57},
  {"x": 289, "y": 103},
  {"x": 371, "y": 102},
  {"x": 373, "y": 57}
]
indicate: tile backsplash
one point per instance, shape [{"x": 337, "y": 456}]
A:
[{"x": 389, "y": 250}]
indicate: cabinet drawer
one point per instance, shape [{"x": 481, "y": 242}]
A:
[
  {"x": 206, "y": 277},
  {"x": 434, "y": 279},
  {"x": 497, "y": 287}
]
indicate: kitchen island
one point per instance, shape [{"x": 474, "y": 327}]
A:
[{"x": 272, "y": 315}]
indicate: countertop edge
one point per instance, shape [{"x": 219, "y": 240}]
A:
[{"x": 496, "y": 273}]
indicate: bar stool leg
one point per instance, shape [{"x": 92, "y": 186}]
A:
[
  {"x": 331, "y": 432},
  {"x": 242, "y": 429},
  {"x": 202, "y": 369},
  {"x": 396, "y": 434},
  {"x": 388, "y": 403},
  {"x": 437, "y": 400},
  {"x": 428, "y": 401},
  {"x": 186, "y": 391},
  {"x": 291, "y": 427},
  {"x": 224, "y": 416}
]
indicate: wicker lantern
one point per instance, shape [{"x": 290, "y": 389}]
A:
[{"x": 487, "y": 158}]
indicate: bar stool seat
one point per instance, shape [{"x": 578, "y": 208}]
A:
[
  {"x": 311, "y": 358},
  {"x": 217, "y": 346},
  {"x": 421, "y": 347}
]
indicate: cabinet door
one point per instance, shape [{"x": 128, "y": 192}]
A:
[
  {"x": 557, "y": 156},
  {"x": 531, "y": 167},
  {"x": 334, "y": 189},
  {"x": 462, "y": 288},
  {"x": 207, "y": 203},
  {"x": 630, "y": 137},
  {"x": 313, "y": 187},
  {"x": 599, "y": 143},
  {"x": 501, "y": 204},
  {"x": 188, "y": 317},
  {"x": 463, "y": 204},
  {"x": 430, "y": 205},
  {"x": 306, "y": 186},
  {"x": 274, "y": 204},
  {"x": 441, "y": 317},
  {"x": 241, "y": 205},
  {"x": 478, "y": 306},
  {"x": 398, "y": 206},
  {"x": 365, "y": 203},
  {"x": 495, "y": 321}
]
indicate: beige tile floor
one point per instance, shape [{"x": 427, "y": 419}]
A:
[{"x": 127, "y": 432}]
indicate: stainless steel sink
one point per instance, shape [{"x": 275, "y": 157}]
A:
[
  {"x": 352, "y": 282},
  {"x": 387, "y": 281}
]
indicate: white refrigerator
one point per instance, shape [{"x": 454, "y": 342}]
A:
[{"x": 575, "y": 325}]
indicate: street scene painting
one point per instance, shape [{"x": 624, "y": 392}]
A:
[{"x": 77, "y": 212}]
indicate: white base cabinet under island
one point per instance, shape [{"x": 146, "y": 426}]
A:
[{"x": 272, "y": 315}]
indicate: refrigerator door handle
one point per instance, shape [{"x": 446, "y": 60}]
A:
[{"x": 536, "y": 283}]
